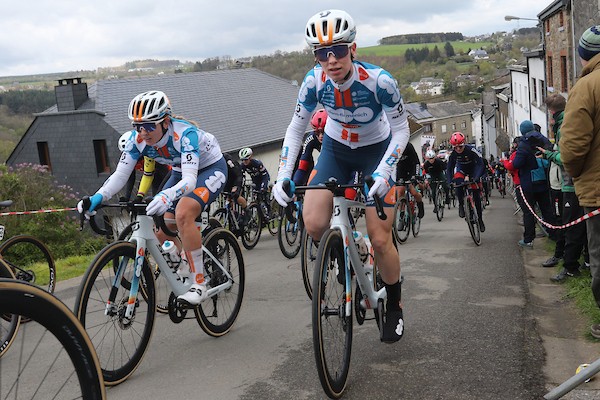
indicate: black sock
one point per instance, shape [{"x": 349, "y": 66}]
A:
[{"x": 394, "y": 295}]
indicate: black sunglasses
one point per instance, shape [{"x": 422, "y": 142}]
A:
[{"x": 338, "y": 51}]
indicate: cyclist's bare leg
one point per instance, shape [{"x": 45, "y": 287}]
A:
[
  {"x": 380, "y": 234},
  {"x": 316, "y": 212},
  {"x": 186, "y": 212},
  {"x": 418, "y": 196}
]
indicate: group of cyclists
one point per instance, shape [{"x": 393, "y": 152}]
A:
[{"x": 359, "y": 125}]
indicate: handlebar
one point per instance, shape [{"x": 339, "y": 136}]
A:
[{"x": 135, "y": 207}]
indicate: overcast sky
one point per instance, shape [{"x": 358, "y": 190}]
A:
[{"x": 66, "y": 35}]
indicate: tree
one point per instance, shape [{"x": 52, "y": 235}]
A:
[{"x": 449, "y": 50}]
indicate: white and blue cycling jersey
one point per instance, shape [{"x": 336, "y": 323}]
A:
[
  {"x": 362, "y": 111},
  {"x": 186, "y": 148}
]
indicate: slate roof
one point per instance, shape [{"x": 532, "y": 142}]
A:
[
  {"x": 440, "y": 110},
  {"x": 241, "y": 107}
]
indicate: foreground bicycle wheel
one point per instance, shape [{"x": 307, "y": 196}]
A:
[
  {"x": 217, "y": 314},
  {"x": 472, "y": 221},
  {"x": 289, "y": 236},
  {"x": 52, "y": 356},
  {"x": 30, "y": 260},
  {"x": 331, "y": 325},
  {"x": 120, "y": 343},
  {"x": 308, "y": 256},
  {"x": 9, "y": 323},
  {"x": 439, "y": 202}
]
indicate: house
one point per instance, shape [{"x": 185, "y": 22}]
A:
[
  {"x": 77, "y": 138},
  {"x": 428, "y": 86},
  {"x": 479, "y": 54}
]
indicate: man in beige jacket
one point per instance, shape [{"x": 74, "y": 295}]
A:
[{"x": 580, "y": 146}]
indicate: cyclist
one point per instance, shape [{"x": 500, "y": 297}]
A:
[
  {"x": 487, "y": 179},
  {"x": 407, "y": 169},
  {"x": 312, "y": 142},
  {"x": 234, "y": 184},
  {"x": 500, "y": 176},
  {"x": 198, "y": 175},
  {"x": 153, "y": 175},
  {"x": 434, "y": 166},
  {"x": 469, "y": 168},
  {"x": 367, "y": 131},
  {"x": 258, "y": 174}
]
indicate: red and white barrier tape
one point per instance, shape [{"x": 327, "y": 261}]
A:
[
  {"x": 578, "y": 220},
  {"x": 4, "y": 214}
]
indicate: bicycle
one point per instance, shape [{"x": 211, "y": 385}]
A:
[
  {"x": 52, "y": 356},
  {"x": 291, "y": 230},
  {"x": 338, "y": 260},
  {"x": 29, "y": 258},
  {"x": 116, "y": 299},
  {"x": 440, "y": 197},
  {"x": 470, "y": 210},
  {"x": 405, "y": 217},
  {"x": 231, "y": 219}
]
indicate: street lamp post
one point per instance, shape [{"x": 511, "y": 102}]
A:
[{"x": 512, "y": 17}]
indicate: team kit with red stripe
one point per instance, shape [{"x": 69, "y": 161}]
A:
[
  {"x": 365, "y": 116},
  {"x": 188, "y": 150}
]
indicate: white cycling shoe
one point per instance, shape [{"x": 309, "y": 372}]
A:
[{"x": 195, "y": 295}]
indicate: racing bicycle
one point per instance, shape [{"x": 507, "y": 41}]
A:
[
  {"x": 405, "y": 215},
  {"x": 116, "y": 301},
  {"x": 470, "y": 210}
]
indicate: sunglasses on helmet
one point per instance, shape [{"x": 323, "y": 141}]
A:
[{"x": 338, "y": 51}]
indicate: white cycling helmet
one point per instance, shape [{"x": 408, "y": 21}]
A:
[
  {"x": 151, "y": 106},
  {"x": 329, "y": 27},
  {"x": 123, "y": 140},
  {"x": 245, "y": 153},
  {"x": 430, "y": 154}
]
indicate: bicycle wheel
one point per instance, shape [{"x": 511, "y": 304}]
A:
[
  {"x": 9, "y": 323},
  {"x": 274, "y": 217},
  {"x": 472, "y": 221},
  {"x": 30, "y": 260},
  {"x": 332, "y": 327},
  {"x": 289, "y": 236},
  {"x": 415, "y": 222},
  {"x": 51, "y": 357},
  {"x": 440, "y": 203},
  {"x": 217, "y": 314},
  {"x": 221, "y": 216},
  {"x": 120, "y": 342},
  {"x": 401, "y": 221},
  {"x": 253, "y": 227},
  {"x": 307, "y": 260}
]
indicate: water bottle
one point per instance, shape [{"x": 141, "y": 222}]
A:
[
  {"x": 171, "y": 254},
  {"x": 361, "y": 245},
  {"x": 368, "y": 264}
]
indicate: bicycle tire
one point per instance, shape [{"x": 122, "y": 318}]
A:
[
  {"x": 289, "y": 236},
  {"x": 401, "y": 223},
  {"x": 274, "y": 217},
  {"x": 9, "y": 323},
  {"x": 440, "y": 202},
  {"x": 332, "y": 329},
  {"x": 217, "y": 314},
  {"x": 67, "y": 337},
  {"x": 221, "y": 216},
  {"x": 308, "y": 257},
  {"x": 21, "y": 252},
  {"x": 105, "y": 330},
  {"x": 472, "y": 221},
  {"x": 415, "y": 222},
  {"x": 253, "y": 227}
]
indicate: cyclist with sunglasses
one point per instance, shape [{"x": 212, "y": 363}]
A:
[
  {"x": 367, "y": 131},
  {"x": 436, "y": 168},
  {"x": 198, "y": 175},
  {"x": 408, "y": 169},
  {"x": 465, "y": 165},
  {"x": 312, "y": 142}
]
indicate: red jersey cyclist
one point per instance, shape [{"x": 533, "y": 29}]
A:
[{"x": 366, "y": 131}]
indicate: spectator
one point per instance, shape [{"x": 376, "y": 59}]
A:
[
  {"x": 534, "y": 183},
  {"x": 580, "y": 146},
  {"x": 572, "y": 240}
]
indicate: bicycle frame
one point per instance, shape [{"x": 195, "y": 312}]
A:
[{"x": 146, "y": 242}]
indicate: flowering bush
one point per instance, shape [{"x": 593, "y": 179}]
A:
[{"x": 31, "y": 187}]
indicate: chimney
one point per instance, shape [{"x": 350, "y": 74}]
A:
[
  {"x": 70, "y": 94},
  {"x": 423, "y": 106}
]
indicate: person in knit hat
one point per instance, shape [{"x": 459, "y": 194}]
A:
[{"x": 580, "y": 146}]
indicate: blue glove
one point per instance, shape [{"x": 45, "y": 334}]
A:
[
  {"x": 95, "y": 201},
  {"x": 279, "y": 193}
]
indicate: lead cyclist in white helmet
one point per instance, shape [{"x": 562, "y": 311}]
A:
[
  {"x": 367, "y": 131},
  {"x": 198, "y": 175}
]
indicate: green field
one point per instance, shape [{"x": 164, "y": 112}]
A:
[{"x": 400, "y": 49}]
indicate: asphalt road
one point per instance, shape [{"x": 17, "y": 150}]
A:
[{"x": 469, "y": 333}]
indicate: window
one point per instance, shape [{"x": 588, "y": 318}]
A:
[
  {"x": 563, "y": 73},
  {"x": 427, "y": 127},
  {"x": 547, "y": 26},
  {"x": 463, "y": 125},
  {"x": 534, "y": 98},
  {"x": 453, "y": 127},
  {"x": 101, "y": 154},
  {"x": 549, "y": 73},
  {"x": 561, "y": 19},
  {"x": 44, "y": 155},
  {"x": 444, "y": 129}
]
